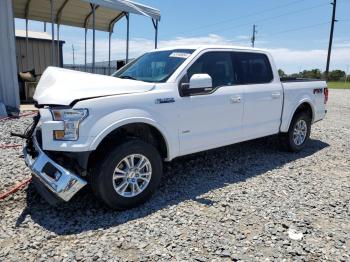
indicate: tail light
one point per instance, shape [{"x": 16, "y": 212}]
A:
[{"x": 325, "y": 90}]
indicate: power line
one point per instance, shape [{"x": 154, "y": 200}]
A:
[
  {"x": 267, "y": 19},
  {"x": 298, "y": 29},
  {"x": 254, "y": 14},
  {"x": 304, "y": 27},
  {"x": 248, "y": 15}
]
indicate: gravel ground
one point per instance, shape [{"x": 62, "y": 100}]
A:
[{"x": 247, "y": 202}]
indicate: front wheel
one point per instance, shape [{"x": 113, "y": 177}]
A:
[
  {"x": 128, "y": 175},
  {"x": 298, "y": 133}
]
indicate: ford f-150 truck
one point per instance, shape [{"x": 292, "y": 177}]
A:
[{"x": 114, "y": 132}]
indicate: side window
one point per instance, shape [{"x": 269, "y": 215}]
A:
[
  {"x": 216, "y": 64},
  {"x": 252, "y": 68}
]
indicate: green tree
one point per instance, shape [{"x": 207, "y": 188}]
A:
[
  {"x": 295, "y": 75},
  {"x": 281, "y": 73},
  {"x": 313, "y": 73},
  {"x": 336, "y": 75}
]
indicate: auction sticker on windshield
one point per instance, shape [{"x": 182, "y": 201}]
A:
[{"x": 179, "y": 55}]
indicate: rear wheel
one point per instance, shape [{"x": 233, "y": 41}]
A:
[
  {"x": 128, "y": 175},
  {"x": 298, "y": 133}
]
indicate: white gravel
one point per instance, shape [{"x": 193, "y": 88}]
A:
[{"x": 248, "y": 202}]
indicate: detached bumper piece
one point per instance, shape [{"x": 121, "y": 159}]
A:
[{"x": 61, "y": 182}]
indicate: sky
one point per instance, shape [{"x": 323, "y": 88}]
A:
[{"x": 296, "y": 32}]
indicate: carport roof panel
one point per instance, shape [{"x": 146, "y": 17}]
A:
[{"x": 76, "y": 12}]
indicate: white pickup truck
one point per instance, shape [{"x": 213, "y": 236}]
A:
[{"x": 114, "y": 132}]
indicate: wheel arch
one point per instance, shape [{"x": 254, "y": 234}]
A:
[
  {"x": 303, "y": 105},
  {"x": 132, "y": 127}
]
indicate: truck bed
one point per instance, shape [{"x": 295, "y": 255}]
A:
[{"x": 298, "y": 91}]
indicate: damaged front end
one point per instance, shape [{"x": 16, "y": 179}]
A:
[{"x": 59, "y": 181}]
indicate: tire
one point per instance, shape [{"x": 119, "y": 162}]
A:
[
  {"x": 289, "y": 140},
  {"x": 108, "y": 182}
]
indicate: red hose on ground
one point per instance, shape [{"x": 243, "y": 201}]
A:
[
  {"x": 10, "y": 146},
  {"x": 4, "y": 118},
  {"x": 25, "y": 182},
  {"x": 29, "y": 114},
  {"x": 22, "y": 115},
  {"x": 17, "y": 187}
]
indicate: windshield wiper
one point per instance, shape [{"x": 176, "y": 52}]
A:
[{"x": 128, "y": 77}]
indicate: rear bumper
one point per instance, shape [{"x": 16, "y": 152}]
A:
[{"x": 61, "y": 182}]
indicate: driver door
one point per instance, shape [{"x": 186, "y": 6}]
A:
[{"x": 213, "y": 117}]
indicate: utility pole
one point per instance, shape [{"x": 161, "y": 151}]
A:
[
  {"x": 73, "y": 55},
  {"x": 253, "y": 37},
  {"x": 331, "y": 37}
]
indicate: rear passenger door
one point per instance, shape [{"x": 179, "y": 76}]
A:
[{"x": 262, "y": 94}]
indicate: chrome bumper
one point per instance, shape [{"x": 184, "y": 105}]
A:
[{"x": 62, "y": 182}]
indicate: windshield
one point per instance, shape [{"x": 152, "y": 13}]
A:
[{"x": 155, "y": 66}]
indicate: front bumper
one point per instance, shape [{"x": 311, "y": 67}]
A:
[{"x": 61, "y": 182}]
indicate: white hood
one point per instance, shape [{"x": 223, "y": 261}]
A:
[{"x": 60, "y": 86}]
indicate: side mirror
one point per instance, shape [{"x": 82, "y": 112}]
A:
[
  {"x": 200, "y": 81},
  {"x": 198, "y": 84}
]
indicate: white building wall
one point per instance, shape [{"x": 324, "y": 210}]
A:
[{"x": 9, "y": 93}]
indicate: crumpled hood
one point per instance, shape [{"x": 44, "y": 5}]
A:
[{"x": 58, "y": 86}]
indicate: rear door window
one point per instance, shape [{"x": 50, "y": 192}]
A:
[{"x": 252, "y": 68}]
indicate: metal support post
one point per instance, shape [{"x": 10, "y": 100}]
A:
[
  {"x": 127, "y": 38},
  {"x": 58, "y": 45},
  {"x": 27, "y": 47},
  {"x": 85, "y": 60},
  {"x": 52, "y": 2},
  {"x": 155, "y": 25},
  {"x": 109, "y": 52},
  {"x": 93, "y": 36}
]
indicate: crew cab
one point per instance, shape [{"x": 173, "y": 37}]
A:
[{"x": 114, "y": 132}]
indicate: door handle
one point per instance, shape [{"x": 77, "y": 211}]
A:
[
  {"x": 236, "y": 99},
  {"x": 276, "y": 95}
]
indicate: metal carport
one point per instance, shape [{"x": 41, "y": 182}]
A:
[{"x": 88, "y": 14}]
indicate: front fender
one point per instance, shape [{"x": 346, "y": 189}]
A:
[{"x": 108, "y": 123}]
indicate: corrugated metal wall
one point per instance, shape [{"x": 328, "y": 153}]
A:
[
  {"x": 39, "y": 54},
  {"x": 9, "y": 94}
]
